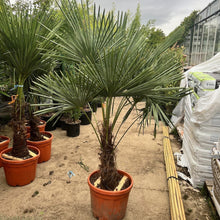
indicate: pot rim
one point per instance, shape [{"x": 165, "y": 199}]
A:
[
  {"x": 44, "y": 124},
  {"x": 5, "y": 138},
  {"x": 19, "y": 162},
  {"x": 44, "y": 132},
  {"x": 111, "y": 193}
]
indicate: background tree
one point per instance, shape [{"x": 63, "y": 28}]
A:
[{"x": 187, "y": 24}]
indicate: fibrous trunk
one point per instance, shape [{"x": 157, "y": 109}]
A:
[
  {"x": 34, "y": 130},
  {"x": 19, "y": 137},
  {"x": 108, "y": 172}
]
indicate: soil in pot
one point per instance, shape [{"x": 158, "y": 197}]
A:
[
  {"x": 106, "y": 204},
  {"x": 44, "y": 145},
  {"x": 73, "y": 128},
  {"x": 20, "y": 172},
  {"x": 83, "y": 118},
  {"x": 4, "y": 142}
]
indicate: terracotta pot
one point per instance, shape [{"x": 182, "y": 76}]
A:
[
  {"x": 41, "y": 127},
  {"x": 4, "y": 145},
  {"x": 20, "y": 173},
  {"x": 72, "y": 129},
  {"x": 44, "y": 146},
  {"x": 109, "y": 205}
]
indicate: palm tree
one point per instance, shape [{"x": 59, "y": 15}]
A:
[
  {"x": 110, "y": 61},
  {"x": 23, "y": 49}
]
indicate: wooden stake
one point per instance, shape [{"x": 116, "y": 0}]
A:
[
  {"x": 11, "y": 157},
  {"x": 32, "y": 153},
  {"x": 3, "y": 141},
  {"x": 46, "y": 138},
  {"x": 121, "y": 183},
  {"x": 97, "y": 182}
]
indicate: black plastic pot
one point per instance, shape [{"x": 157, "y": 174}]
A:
[
  {"x": 99, "y": 104},
  {"x": 72, "y": 129},
  {"x": 58, "y": 124},
  {"x": 84, "y": 120},
  {"x": 63, "y": 124},
  {"x": 94, "y": 106},
  {"x": 50, "y": 125}
]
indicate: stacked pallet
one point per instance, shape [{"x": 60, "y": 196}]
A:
[{"x": 201, "y": 125}]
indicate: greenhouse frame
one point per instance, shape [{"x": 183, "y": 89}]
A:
[{"x": 203, "y": 41}]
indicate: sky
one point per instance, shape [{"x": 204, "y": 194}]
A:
[{"x": 168, "y": 14}]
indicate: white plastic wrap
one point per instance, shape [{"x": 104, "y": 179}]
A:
[
  {"x": 210, "y": 66},
  {"x": 201, "y": 123},
  {"x": 207, "y": 107}
]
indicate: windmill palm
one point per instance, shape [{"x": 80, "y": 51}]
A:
[
  {"x": 22, "y": 49},
  {"x": 112, "y": 61}
]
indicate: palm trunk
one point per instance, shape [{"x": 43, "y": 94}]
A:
[
  {"x": 108, "y": 172},
  {"x": 18, "y": 122},
  {"x": 34, "y": 130}
]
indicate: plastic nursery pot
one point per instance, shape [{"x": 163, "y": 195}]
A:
[
  {"x": 41, "y": 126},
  {"x": 50, "y": 126},
  {"x": 20, "y": 173},
  {"x": 72, "y": 129},
  {"x": 44, "y": 146},
  {"x": 94, "y": 106},
  {"x": 109, "y": 205},
  {"x": 84, "y": 119},
  {"x": 3, "y": 145},
  {"x": 63, "y": 124}
]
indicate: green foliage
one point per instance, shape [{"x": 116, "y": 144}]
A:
[
  {"x": 187, "y": 23},
  {"x": 156, "y": 36},
  {"x": 109, "y": 59},
  {"x": 24, "y": 43},
  {"x": 152, "y": 35},
  {"x": 112, "y": 61}
]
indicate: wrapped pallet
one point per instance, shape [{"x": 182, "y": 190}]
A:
[{"x": 200, "y": 112}]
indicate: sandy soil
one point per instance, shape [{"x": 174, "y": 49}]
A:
[{"x": 50, "y": 197}]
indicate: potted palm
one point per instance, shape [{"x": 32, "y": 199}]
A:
[
  {"x": 40, "y": 139},
  {"x": 111, "y": 60},
  {"x": 23, "y": 50},
  {"x": 73, "y": 123}
]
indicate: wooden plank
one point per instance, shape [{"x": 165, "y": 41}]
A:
[
  {"x": 3, "y": 141},
  {"x": 46, "y": 138},
  {"x": 121, "y": 183},
  {"x": 11, "y": 157},
  {"x": 97, "y": 182},
  {"x": 32, "y": 153}
]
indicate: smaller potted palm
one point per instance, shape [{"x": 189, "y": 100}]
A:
[
  {"x": 40, "y": 139},
  {"x": 73, "y": 123},
  {"x": 86, "y": 115}
]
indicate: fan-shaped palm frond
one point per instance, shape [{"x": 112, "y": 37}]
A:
[{"x": 87, "y": 32}]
